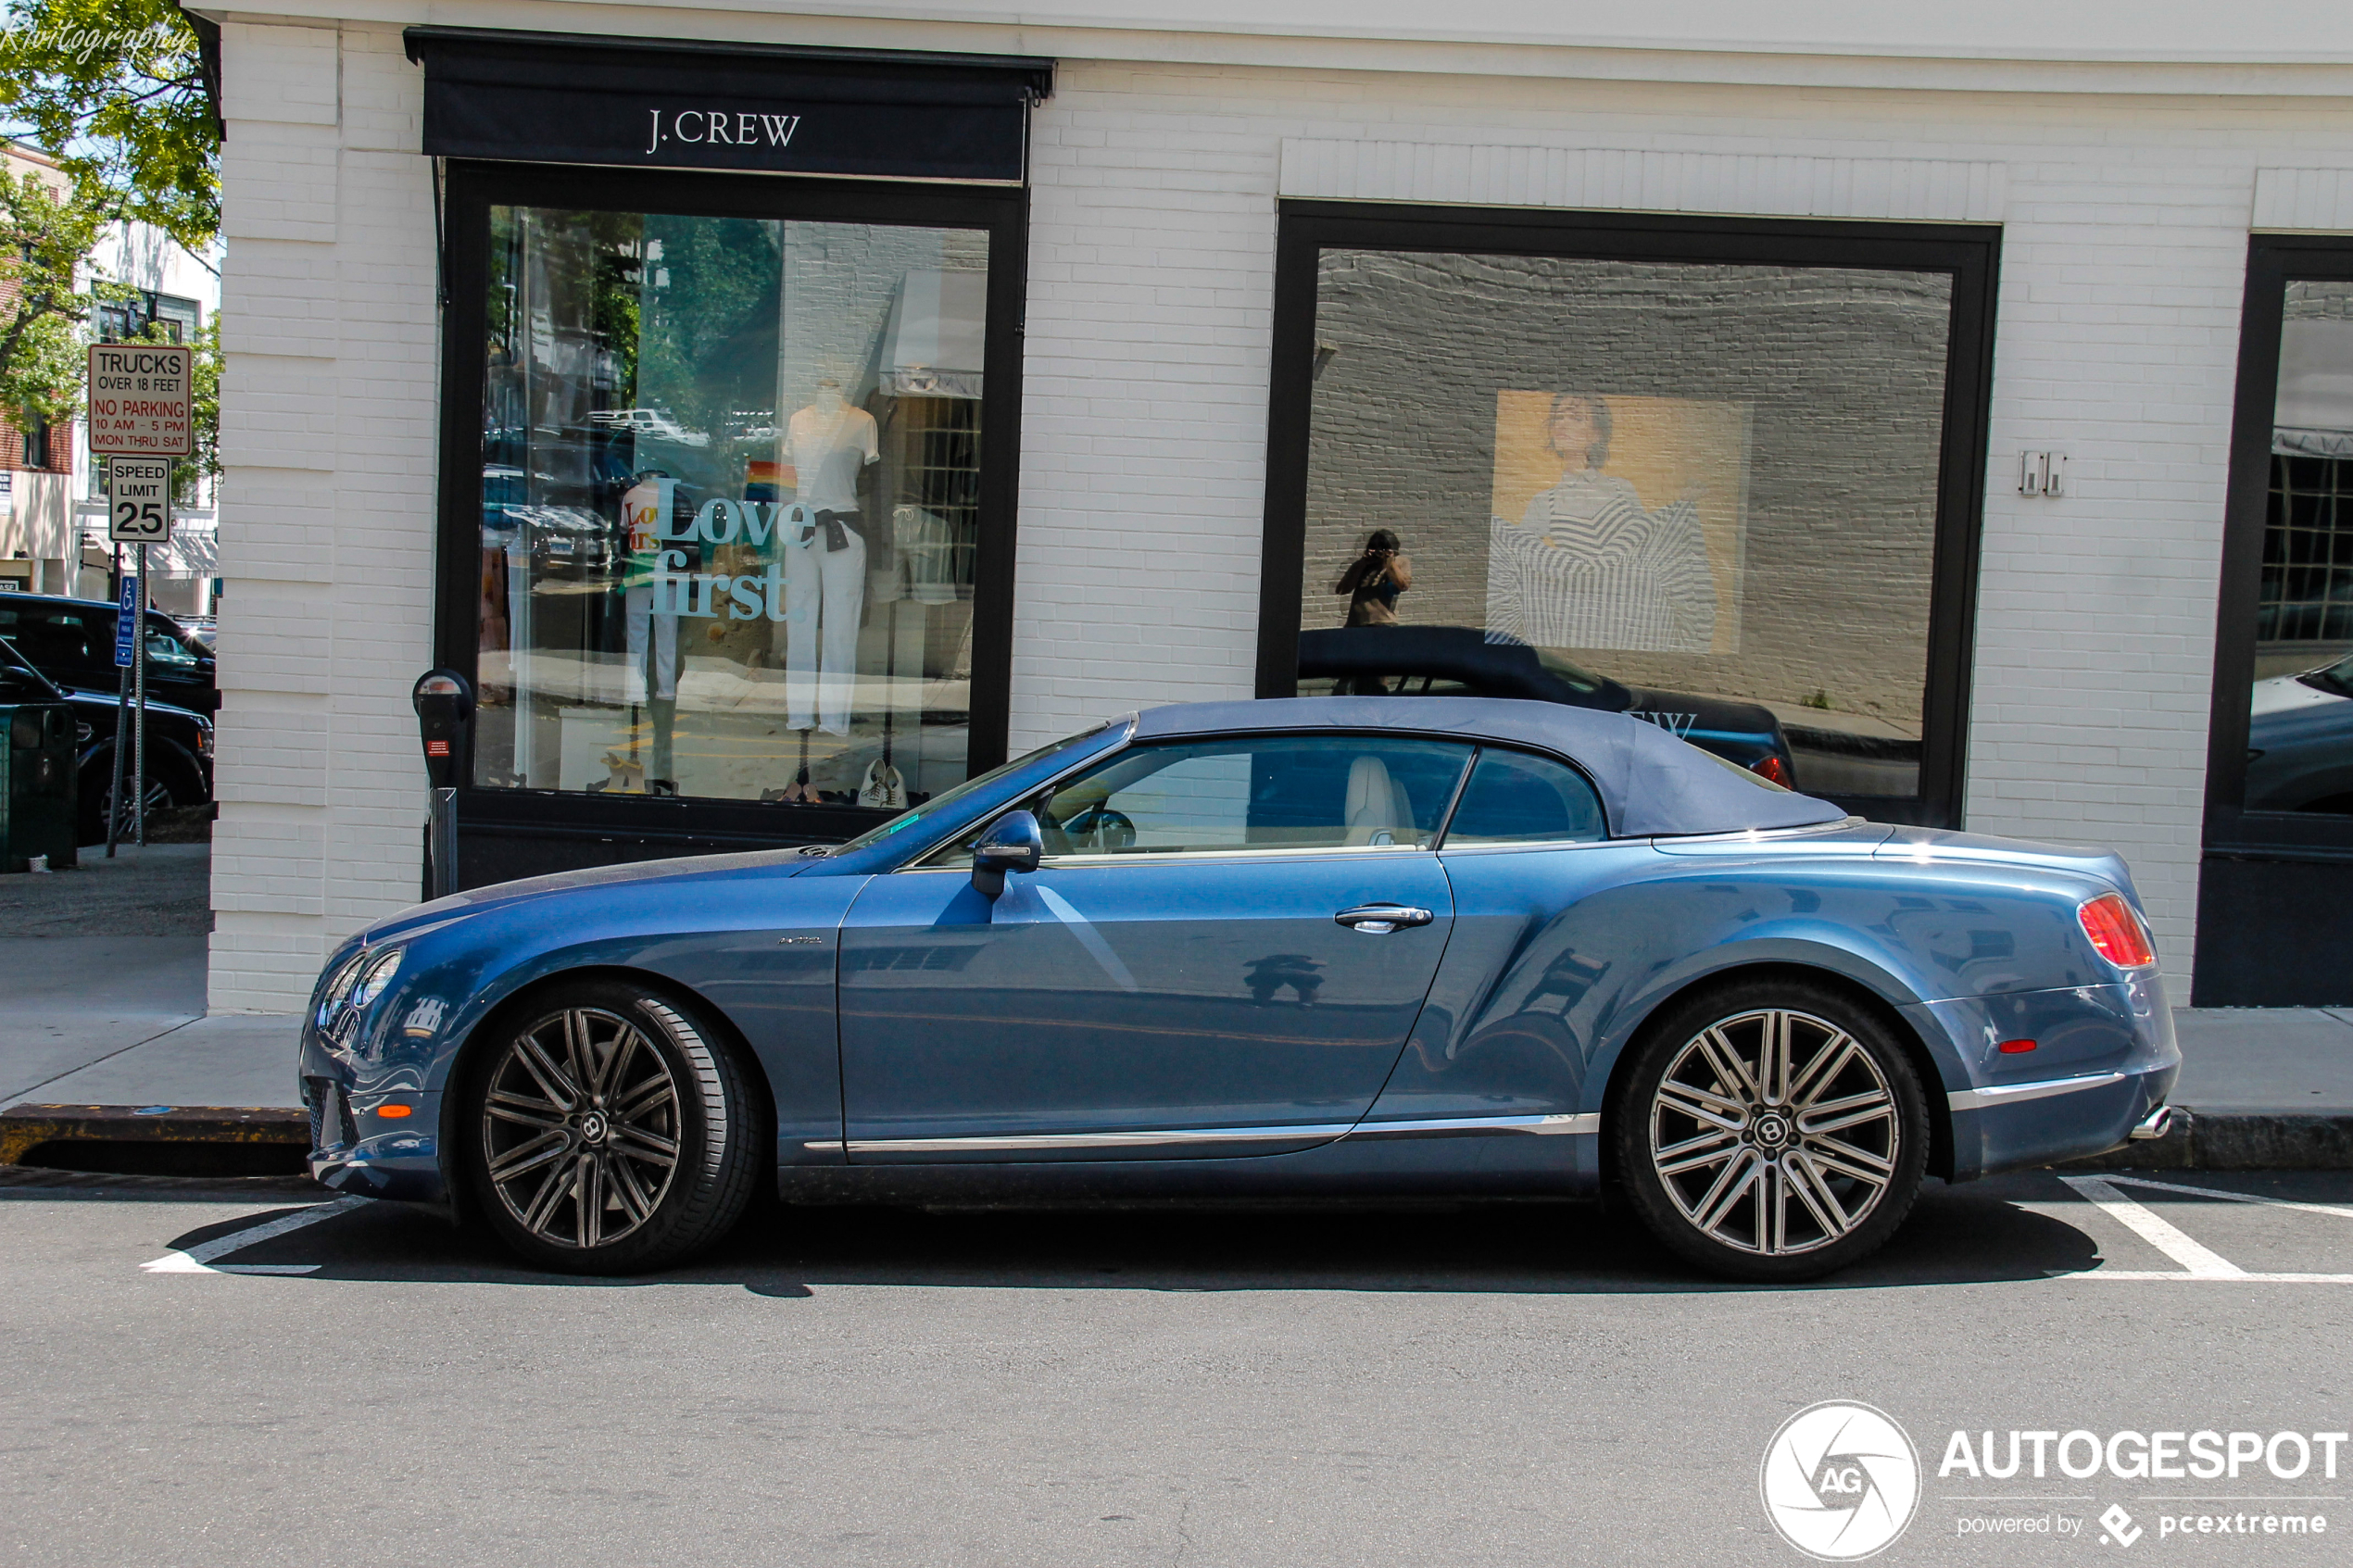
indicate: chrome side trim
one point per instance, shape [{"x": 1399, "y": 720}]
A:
[
  {"x": 2017, "y": 1093},
  {"x": 1045, "y": 1141},
  {"x": 1446, "y": 1126}
]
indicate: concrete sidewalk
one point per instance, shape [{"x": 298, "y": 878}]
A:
[
  {"x": 2284, "y": 1060},
  {"x": 102, "y": 990}
]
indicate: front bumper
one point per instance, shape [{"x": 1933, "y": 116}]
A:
[
  {"x": 375, "y": 1137},
  {"x": 355, "y": 1148}
]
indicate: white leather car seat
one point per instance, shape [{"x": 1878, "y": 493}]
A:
[{"x": 1378, "y": 809}]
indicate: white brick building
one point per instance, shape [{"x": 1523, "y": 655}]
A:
[{"x": 2112, "y": 163}]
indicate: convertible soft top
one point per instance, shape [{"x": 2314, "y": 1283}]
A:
[{"x": 1651, "y": 785}]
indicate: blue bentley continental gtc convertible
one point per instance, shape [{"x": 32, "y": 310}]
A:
[{"x": 1331, "y": 946}]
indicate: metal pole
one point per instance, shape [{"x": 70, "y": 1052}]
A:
[
  {"x": 121, "y": 727},
  {"x": 441, "y": 843},
  {"x": 139, "y": 656}
]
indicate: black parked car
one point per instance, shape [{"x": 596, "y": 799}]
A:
[
  {"x": 72, "y": 641},
  {"x": 179, "y": 744},
  {"x": 1463, "y": 661}
]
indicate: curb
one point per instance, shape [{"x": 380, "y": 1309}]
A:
[
  {"x": 2235, "y": 1140},
  {"x": 161, "y": 1140}
]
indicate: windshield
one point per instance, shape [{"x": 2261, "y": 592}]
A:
[
  {"x": 18, "y": 672},
  {"x": 916, "y": 814},
  {"x": 1578, "y": 678}
]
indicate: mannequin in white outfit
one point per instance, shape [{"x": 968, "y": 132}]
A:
[
  {"x": 827, "y": 444},
  {"x": 645, "y": 514}
]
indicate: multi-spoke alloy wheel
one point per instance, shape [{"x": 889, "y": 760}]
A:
[
  {"x": 611, "y": 1134},
  {"x": 581, "y": 1128},
  {"x": 1775, "y": 1140}
]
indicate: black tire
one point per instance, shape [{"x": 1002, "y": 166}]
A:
[
  {"x": 564, "y": 1129},
  {"x": 96, "y": 795},
  {"x": 1736, "y": 1174}
]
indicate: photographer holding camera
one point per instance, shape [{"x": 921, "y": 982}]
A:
[{"x": 1374, "y": 580}]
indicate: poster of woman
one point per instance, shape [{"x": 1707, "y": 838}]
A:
[{"x": 1577, "y": 557}]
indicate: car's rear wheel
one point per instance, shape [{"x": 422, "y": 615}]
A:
[
  {"x": 1772, "y": 1131},
  {"x": 606, "y": 1130}
]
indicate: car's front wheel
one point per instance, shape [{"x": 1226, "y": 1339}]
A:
[
  {"x": 1774, "y": 1130},
  {"x": 606, "y": 1130}
]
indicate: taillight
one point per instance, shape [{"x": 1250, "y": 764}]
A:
[
  {"x": 1772, "y": 770},
  {"x": 2117, "y": 932}
]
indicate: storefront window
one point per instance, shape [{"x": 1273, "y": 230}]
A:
[
  {"x": 2299, "y": 743},
  {"x": 730, "y": 506},
  {"x": 1711, "y": 490}
]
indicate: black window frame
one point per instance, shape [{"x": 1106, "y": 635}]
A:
[
  {"x": 630, "y": 827},
  {"x": 1969, "y": 252},
  {"x": 2272, "y": 262}
]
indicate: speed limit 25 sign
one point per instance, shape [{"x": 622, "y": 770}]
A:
[{"x": 138, "y": 500}]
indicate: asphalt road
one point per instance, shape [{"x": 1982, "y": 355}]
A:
[{"x": 1477, "y": 1386}]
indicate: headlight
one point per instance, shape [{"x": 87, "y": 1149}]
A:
[
  {"x": 204, "y": 741},
  {"x": 337, "y": 990},
  {"x": 376, "y": 976}
]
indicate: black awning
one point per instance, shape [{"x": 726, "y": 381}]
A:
[{"x": 649, "y": 103}]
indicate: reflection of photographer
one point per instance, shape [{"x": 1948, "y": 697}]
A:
[{"x": 1374, "y": 580}]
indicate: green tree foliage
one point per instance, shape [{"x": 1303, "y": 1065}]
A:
[
  {"x": 47, "y": 234},
  {"x": 114, "y": 89}
]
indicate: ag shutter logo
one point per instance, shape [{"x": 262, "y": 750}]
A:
[{"x": 1841, "y": 1481}]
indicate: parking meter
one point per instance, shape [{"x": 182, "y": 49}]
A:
[{"x": 445, "y": 705}]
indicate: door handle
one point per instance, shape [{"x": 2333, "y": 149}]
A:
[{"x": 1379, "y": 919}]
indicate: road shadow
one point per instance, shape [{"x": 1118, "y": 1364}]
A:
[{"x": 1953, "y": 1237}]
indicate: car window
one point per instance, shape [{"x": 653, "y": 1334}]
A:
[
  {"x": 165, "y": 648},
  {"x": 945, "y": 798},
  {"x": 49, "y": 636},
  {"x": 1515, "y": 798},
  {"x": 1256, "y": 793}
]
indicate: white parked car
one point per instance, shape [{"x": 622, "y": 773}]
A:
[{"x": 650, "y": 423}]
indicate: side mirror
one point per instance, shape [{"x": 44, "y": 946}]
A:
[{"x": 1012, "y": 844}]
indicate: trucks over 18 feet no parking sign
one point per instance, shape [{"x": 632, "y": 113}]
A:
[{"x": 142, "y": 400}]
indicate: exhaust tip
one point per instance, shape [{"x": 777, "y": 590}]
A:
[{"x": 2156, "y": 1124}]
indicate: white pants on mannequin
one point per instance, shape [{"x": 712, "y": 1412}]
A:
[
  {"x": 637, "y": 608},
  {"x": 825, "y": 597}
]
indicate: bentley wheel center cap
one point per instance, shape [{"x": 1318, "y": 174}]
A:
[
  {"x": 1772, "y": 1131},
  {"x": 592, "y": 1128}
]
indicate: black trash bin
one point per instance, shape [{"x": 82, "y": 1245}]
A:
[{"x": 37, "y": 786}]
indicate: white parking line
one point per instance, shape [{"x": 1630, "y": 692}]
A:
[
  {"x": 2234, "y": 1196},
  {"x": 198, "y": 1260},
  {"x": 2198, "y": 1261}
]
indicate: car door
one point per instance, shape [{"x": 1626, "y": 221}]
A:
[
  {"x": 1540, "y": 930},
  {"x": 1222, "y": 952}
]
